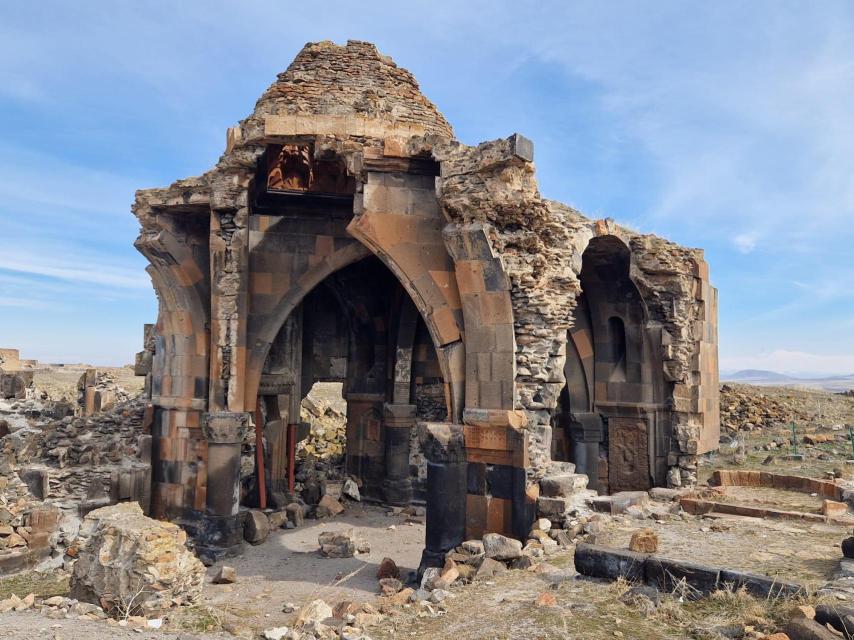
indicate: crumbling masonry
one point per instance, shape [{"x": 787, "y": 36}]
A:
[{"x": 345, "y": 235}]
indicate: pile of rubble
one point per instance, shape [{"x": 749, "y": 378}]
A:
[
  {"x": 328, "y": 433},
  {"x": 134, "y": 565},
  {"x": 52, "y": 473},
  {"x": 744, "y": 408},
  {"x": 131, "y": 569}
]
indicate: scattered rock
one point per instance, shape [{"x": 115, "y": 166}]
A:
[
  {"x": 489, "y": 568},
  {"x": 390, "y": 586},
  {"x": 644, "y": 541},
  {"x": 388, "y": 569},
  {"x": 276, "y": 633},
  {"x": 545, "y": 599},
  {"x": 225, "y": 575},
  {"x": 500, "y": 547},
  {"x": 256, "y": 527},
  {"x": 328, "y": 506},
  {"x": 314, "y": 611},
  {"x": 351, "y": 490}
]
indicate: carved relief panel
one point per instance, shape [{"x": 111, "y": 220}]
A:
[{"x": 628, "y": 454}]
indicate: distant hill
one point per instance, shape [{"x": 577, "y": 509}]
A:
[
  {"x": 757, "y": 374},
  {"x": 772, "y": 379}
]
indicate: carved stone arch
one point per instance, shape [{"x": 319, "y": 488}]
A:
[
  {"x": 415, "y": 253},
  {"x": 264, "y": 336}
]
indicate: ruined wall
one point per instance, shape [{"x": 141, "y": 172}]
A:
[
  {"x": 491, "y": 268},
  {"x": 540, "y": 245}
]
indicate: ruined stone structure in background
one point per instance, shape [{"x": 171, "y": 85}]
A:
[
  {"x": 16, "y": 375},
  {"x": 345, "y": 235}
]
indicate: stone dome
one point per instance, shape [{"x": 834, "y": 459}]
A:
[{"x": 330, "y": 79}]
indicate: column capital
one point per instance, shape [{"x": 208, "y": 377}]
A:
[
  {"x": 442, "y": 441},
  {"x": 395, "y": 415},
  {"x": 225, "y": 427}
]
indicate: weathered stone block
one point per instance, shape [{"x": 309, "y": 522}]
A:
[{"x": 603, "y": 562}]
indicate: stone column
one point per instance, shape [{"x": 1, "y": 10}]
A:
[
  {"x": 221, "y": 530},
  {"x": 586, "y": 432},
  {"x": 445, "y": 450},
  {"x": 398, "y": 420}
]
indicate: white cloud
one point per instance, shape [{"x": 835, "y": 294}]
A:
[
  {"x": 745, "y": 242},
  {"x": 75, "y": 267}
]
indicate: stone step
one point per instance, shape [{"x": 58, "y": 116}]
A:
[
  {"x": 563, "y": 485},
  {"x": 558, "y": 507}
]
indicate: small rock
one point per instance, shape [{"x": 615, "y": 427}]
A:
[
  {"x": 644, "y": 541},
  {"x": 390, "y": 586},
  {"x": 296, "y": 515},
  {"x": 314, "y": 611},
  {"x": 500, "y": 547},
  {"x": 474, "y": 547},
  {"x": 351, "y": 490},
  {"x": 388, "y": 569},
  {"x": 226, "y": 575},
  {"x": 489, "y": 568},
  {"x": 328, "y": 506},
  {"x": 545, "y": 599},
  {"x": 276, "y": 633},
  {"x": 256, "y": 527}
]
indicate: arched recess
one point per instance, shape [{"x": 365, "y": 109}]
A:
[
  {"x": 613, "y": 405},
  {"x": 263, "y": 338}
]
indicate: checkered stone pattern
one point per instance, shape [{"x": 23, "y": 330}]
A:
[{"x": 179, "y": 384}]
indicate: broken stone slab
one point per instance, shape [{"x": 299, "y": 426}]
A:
[
  {"x": 500, "y": 547},
  {"x": 225, "y": 575},
  {"x": 760, "y": 586},
  {"x": 603, "y": 562},
  {"x": 328, "y": 506},
  {"x": 839, "y": 617},
  {"x": 256, "y": 527},
  {"x": 129, "y": 557},
  {"x": 563, "y": 485},
  {"x": 805, "y": 629},
  {"x": 341, "y": 544}
]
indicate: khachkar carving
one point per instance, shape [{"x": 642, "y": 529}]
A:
[{"x": 290, "y": 169}]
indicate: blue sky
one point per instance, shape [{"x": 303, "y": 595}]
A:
[{"x": 724, "y": 125}]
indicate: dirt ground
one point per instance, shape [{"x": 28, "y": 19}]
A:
[
  {"x": 27, "y": 625},
  {"x": 771, "y": 547},
  {"x": 61, "y": 382},
  {"x": 287, "y": 568}
]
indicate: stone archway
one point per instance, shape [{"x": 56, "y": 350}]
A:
[{"x": 612, "y": 407}]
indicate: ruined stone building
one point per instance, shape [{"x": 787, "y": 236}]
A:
[{"x": 346, "y": 235}]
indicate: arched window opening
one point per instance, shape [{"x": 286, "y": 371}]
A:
[{"x": 617, "y": 334}]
